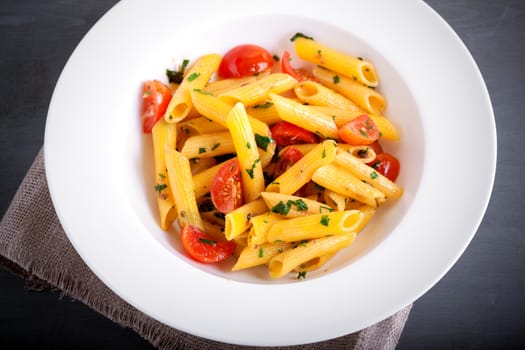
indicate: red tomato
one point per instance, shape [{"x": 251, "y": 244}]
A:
[
  {"x": 226, "y": 191},
  {"x": 245, "y": 60},
  {"x": 285, "y": 134},
  {"x": 376, "y": 146},
  {"x": 289, "y": 157},
  {"x": 203, "y": 247},
  {"x": 299, "y": 74},
  {"x": 359, "y": 131},
  {"x": 387, "y": 165},
  {"x": 155, "y": 99}
]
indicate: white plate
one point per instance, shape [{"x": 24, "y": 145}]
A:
[{"x": 99, "y": 165}]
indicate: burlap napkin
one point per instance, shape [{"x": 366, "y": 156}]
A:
[{"x": 34, "y": 245}]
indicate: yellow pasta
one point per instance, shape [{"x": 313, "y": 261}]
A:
[
  {"x": 293, "y": 206},
  {"x": 238, "y": 220},
  {"x": 298, "y": 114},
  {"x": 301, "y": 172},
  {"x": 200, "y": 125},
  {"x": 283, "y": 263},
  {"x": 200, "y": 164},
  {"x": 347, "y": 65},
  {"x": 260, "y": 226},
  {"x": 260, "y": 255},
  {"x": 315, "y": 226},
  {"x": 208, "y": 145},
  {"x": 164, "y": 134},
  {"x": 366, "y": 98},
  {"x": 182, "y": 190},
  {"x": 258, "y": 90},
  {"x": 343, "y": 182},
  {"x": 366, "y": 173},
  {"x": 265, "y": 112},
  {"x": 247, "y": 154},
  {"x": 316, "y": 94},
  {"x": 221, "y": 86},
  {"x": 196, "y": 78}
]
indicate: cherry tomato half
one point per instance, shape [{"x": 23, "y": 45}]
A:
[
  {"x": 155, "y": 99},
  {"x": 226, "y": 190},
  {"x": 359, "y": 131},
  {"x": 299, "y": 74},
  {"x": 203, "y": 247},
  {"x": 245, "y": 60},
  {"x": 287, "y": 158},
  {"x": 376, "y": 146},
  {"x": 387, "y": 165},
  {"x": 285, "y": 134}
]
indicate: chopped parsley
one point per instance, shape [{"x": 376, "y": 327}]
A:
[
  {"x": 215, "y": 146},
  {"x": 202, "y": 150},
  {"x": 262, "y": 141},
  {"x": 176, "y": 76},
  {"x": 324, "y": 153},
  {"x": 336, "y": 79},
  {"x": 276, "y": 58},
  {"x": 207, "y": 241},
  {"x": 300, "y": 35},
  {"x": 261, "y": 253},
  {"x": 194, "y": 76},
  {"x": 301, "y": 275},
  {"x": 162, "y": 176},
  {"x": 283, "y": 209},
  {"x": 325, "y": 220},
  {"x": 360, "y": 58},
  {"x": 325, "y": 208},
  {"x": 160, "y": 187},
  {"x": 202, "y": 91},
  {"x": 265, "y": 105},
  {"x": 250, "y": 171},
  {"x": 248, "y": 145},
  {"x": 373, "y": 175}
]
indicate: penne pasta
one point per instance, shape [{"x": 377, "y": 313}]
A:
[
  {"x": 347, "y": 65},
  {"x": 238, "y": 220},
  {"x": 221, "y": 86},
  {"x": 197, "y": 77},
  {"x": 260, "y": 255},
  {"x": 366, "y": 98},
  {"x": 293, "y": 206},
  {"x": 208, "y": 145},
  {"x": 316, "y": 94},
  {"x": 260, "y": 226}
]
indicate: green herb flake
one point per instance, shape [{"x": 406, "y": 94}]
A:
[
  {"x": 248, "y": 145},
  {"x": 147, "y": 93},
  {"x": 324, "y": 153},
  {"x": 262, "y": 141},
  {"x": 276, "y": 58},
  {"x": 202, "y": 91},
  {"x": 176, "y": 76},
  {"x": 301, "y": 205},
  {"x": 325, "y": 220},
  {"x": 336, "y": 79},
  {"x": 202, "y": 150},
  {"x": 328, "y": 209},
  {"x": 162, "y": 176},
  {"x": 265, "y": 105},
  {"x": 208, "y": 241},
  {"x": 194, "y": 76},
  {"x": 373, "y": 175},
  {"x": 160, "y": 187},
  {"x": 215, "y": 146},
  {"x": 301, "y": 275},
  {"x": 261, "y": 253},
  {"x": 300, "y": 35},
  {"x": 250, "y": 171},
  {"x": 360, "y": 58},
  {"x": 281, "y": 208}
]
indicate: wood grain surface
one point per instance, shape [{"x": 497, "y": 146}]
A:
[{"x": 480, "y": 302}]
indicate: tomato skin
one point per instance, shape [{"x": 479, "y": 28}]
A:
[
  {"x": 376, "y": 146},
  {"x": 155, "y": 99},
  {"x": 226, "y": 189},
  {"x": 203, "y": 247},
  {"x": 298, "y": 74},
  {"x": 285, "y": 134},
  {"x": 287, "y": 158},
  {"x": 245, "y": 60},
  {"x": 359, "y": 131},
  {"x": 387, "y": 165}
]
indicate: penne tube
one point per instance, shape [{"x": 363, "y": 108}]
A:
[
  {"x": 387, "y": 129},
  {"x": 315, "y": 263},
  {"x": 208, "y": 145},
  {"x": 258, "y": 90},
  {"x": 293, "y": 206},
  {"x": 301, "y": 172},
  {"x": 315, "y": 226},
  {"x": 260, "y": 255},
  {"x": 368, "y": 214},
  {"x": 347, "y": 65},
  {"x": 182, "y": 190},
  {"x": 265, "y": 112},
  {"x": 200, "y": 125},
  {"x": 364, "y": 154},
  {"x": 260, "y": 226},
  {"x": 366, "y": 98},
  {"x": 342, "y": 181},
  {"x": 221, "y": 86},
  {"x": 163, "y": 134},
  {"x": 285, "y": 262},
  {"x": 336, "y": 200},
  {"x": 247, "y": 154},
  {"x": 238, "y": 220},
  {"x": 318, "y": 95},
  {"x": 200, "y": 164},
  {"x": 366, "y": 173},
  {"x": 197, "y": 76},
  {"x": 298, "y": 114}
]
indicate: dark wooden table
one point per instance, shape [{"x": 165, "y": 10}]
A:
[{"x": 480, "y": 303}]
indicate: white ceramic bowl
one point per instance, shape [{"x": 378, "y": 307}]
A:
[{"x": 99, "y": 166}]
